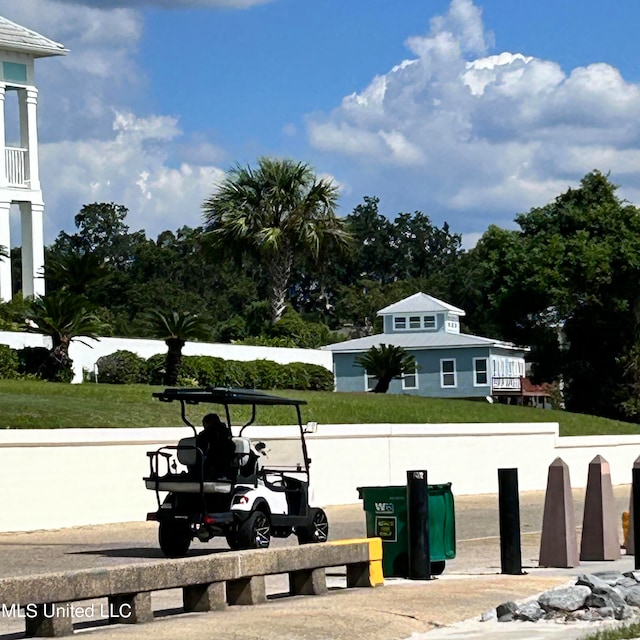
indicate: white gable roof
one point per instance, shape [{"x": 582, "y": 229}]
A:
[
  {"x": 17, "y": 38},
  {"x": 420, "y": 303}
]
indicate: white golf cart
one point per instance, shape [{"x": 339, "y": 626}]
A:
[{"x": 267, "y": 495}]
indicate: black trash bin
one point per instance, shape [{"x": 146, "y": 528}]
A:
[{"x": 386, "y": 515}]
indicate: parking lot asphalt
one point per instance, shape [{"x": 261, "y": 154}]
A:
[{"x": 441, "y": 609}]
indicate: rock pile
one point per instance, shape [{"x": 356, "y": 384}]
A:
[{"x": 594, "y": 597}]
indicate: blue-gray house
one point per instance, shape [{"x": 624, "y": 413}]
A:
[{"x": 450, "y": 364}]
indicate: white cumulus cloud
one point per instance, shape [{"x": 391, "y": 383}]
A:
[
  {"x": 480, "y": 133},
  {"x": 133, "y": 168}
]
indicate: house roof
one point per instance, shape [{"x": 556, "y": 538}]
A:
[
  {"x": 15, "y": 37},
  {"x": 417, "y": 341},
  {"x": 420, "y": 303}
]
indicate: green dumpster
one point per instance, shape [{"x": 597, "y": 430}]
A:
[{"x": 386, "y": 515}]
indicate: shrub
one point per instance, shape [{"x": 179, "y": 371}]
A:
[
  {"x": 206, "y": 371},
  {"x": 9, "y": 362},
  {"x": 122, "y": 367},
  {"x": 309, "y": 377},
  {"x": 156, "y": 368},
  {"x": 40, "y": 362}
]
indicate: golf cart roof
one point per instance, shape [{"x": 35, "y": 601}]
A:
[{"x": 224, "y": 395}]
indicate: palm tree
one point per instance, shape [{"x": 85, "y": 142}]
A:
[
  {"x": 175, "y": 329},
  {"x": 64, "y": 317},
  {"x": 279, "y": 211},
  {"x": 75, "y": 271},
  {"x": 386, "y": 363}
]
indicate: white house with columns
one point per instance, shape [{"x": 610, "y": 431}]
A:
[{"x": 19, "y": 175}]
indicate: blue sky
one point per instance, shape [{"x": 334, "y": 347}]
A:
[{"x": 470, "y": 111}]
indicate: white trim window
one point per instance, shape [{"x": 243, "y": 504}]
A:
[
  {"x": 410, "y": 380},
  {"x": 400, "y": 323},
  {"x": 480, "y": 372},
  {"x": 429, "y": 322},
  {"x": 448, "y": 377},
  {"x": 414, "y": 322},
  {"x": 369, "y": 382}
]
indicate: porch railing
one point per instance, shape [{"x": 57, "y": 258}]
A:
[
  {"x": 16, "y": 166},
  {"x": 506, "y": 384}
]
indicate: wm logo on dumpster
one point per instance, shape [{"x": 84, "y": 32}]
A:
[{"x": 384, "y": 507}]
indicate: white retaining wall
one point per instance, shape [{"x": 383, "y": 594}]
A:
[
  {"x": 66, "y": 477},
  {"x": 84, "y": 356}
]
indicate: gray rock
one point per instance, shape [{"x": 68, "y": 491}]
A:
[
  {"x": 598, "y": 601},
  {"x": 632, "y": 596},
  {"x": 606, "y": 612},
  {"x": 614, "y": 596},
  {"x": 505, "y": 611},
  {"x": 565, "y": 599},
  {"x": 626, "y": 583},
  {"x": 530, "y": 612},
  {"x": 588, "y": 615},
  {"x": 490, "y": 615},
  {"x": 610, "y": 577},
  {"x": 591, "y": 581},
  {"x": 635, "y": 575},
  {"x": 623, "y": 613}
]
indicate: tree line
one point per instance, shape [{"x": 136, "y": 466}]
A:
[{"x": 273, "y": 264}]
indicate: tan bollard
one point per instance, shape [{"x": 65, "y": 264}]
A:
[
  {"x": 629, "y": 541},
  {"x": 600, "y": 523},
  {"x": 559, "y": 544}
]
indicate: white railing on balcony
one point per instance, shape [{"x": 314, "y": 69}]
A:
[
  {"x": 16, "y": 166},
  {"x": 506, "y": 384}
]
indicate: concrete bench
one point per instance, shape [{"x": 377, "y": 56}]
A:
[{"x": 46, "y": 602}]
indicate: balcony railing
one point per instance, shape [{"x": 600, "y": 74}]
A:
[
  {"x": 506, "y": 384},
  {"x": 16, "y": 167}
]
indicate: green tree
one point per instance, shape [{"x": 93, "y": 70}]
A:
[
  {"x": 385, "y": 363},
  {"x": 568, "y": 284},
  {"x": 176, "y": 329},
  {"x": 279, "y": 211},
  {"x": 64, "y": 317}
]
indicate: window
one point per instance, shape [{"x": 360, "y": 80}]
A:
[
  {"x": 429, "y": 322},
  {"x": 480, "y": 370},
  {"x": 447, "y": 373},
  {"x": 410, "y": 380},
  {"x": 414, "y": 322},
  {"x": 400, "y": 323},
  {"x": 369, "y": 382},
  {"x": 14, "y": 72}
]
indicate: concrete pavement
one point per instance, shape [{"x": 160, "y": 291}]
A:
[{"x": 443, "y": 609}]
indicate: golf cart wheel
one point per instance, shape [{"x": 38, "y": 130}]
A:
[
  {"x": 254, "y": 532},
  {"x": 318, "y": 531},
  {"x": 174, "y": 538},
  {"x": 437, "y": 568}
]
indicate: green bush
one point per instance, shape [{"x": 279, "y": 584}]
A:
[
  {"x": 122, "y": 367},
  {"x": 9, "y": 362},
  {"x": 208, "y": 371},
  {"x": 309, "y": 377},
  {"x": 156, "y": 368},
  {"x": 40, "y": 362}
]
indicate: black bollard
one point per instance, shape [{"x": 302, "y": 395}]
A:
[
  {"x": 509, "y": 505},
  {"x": 418, "y": 525},
  {"x": 635, "y": 487}
]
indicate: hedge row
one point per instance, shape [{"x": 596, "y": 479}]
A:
[
  {"x": 30, "y": 362},
  {"x": 125, "y": 367}
]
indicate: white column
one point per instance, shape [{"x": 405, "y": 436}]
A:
[
  {"x": 6, "y": 291},
  {"x": 32, "y": 215},
  {"x": 3, "y": 142},
  {"x": 29, "y": 130}
]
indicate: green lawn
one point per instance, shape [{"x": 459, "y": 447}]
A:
[{"x": 30, "y": 404}]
